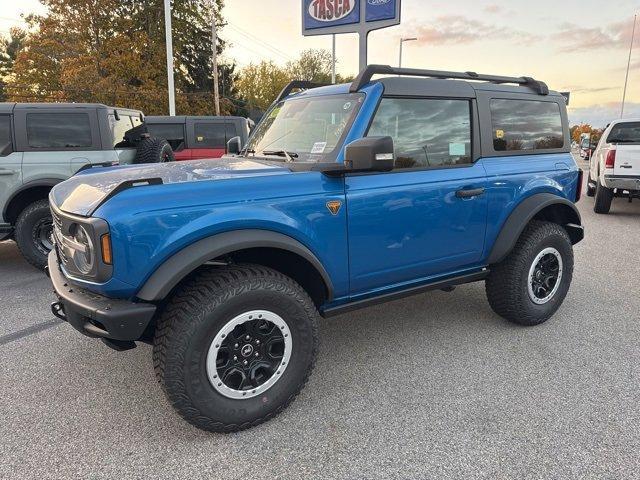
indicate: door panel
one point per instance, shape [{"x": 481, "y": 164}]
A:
[{"x": 407, "y": 226}]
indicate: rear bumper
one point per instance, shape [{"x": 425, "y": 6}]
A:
[
  {"x": 95, "y": 315},
  {"x": 622, "y": 182}
]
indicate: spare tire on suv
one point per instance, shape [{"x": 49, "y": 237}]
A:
[{"x": 154, "y": 150}]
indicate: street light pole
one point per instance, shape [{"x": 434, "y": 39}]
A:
[
  {"x": 333, "y": 59},
  {"x": 169, "y": 43},
  {"x": 626, "y": 78},
  {"x": 214, "y": 48},
  {"x": 402, "y": 40}
]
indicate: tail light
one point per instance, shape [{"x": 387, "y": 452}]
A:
[
  {"x": 579, "y": 187},
  {"x": 610, "y": 161}
]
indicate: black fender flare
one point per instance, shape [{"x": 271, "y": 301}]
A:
[
  {"x": 182, "y": 263},
  {"x": 522, "y": 215},
  {"x": 41, "y": 182}
]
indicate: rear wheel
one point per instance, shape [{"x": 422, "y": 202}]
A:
[
  {"x": 603, "y": 198},
  {"x": 530, "y": 284},
  {"x": 235, "y": 346},
  {"x": 33, "y": 232}
]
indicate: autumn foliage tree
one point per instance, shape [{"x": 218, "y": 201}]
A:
[{"x": 113, "y": 52}]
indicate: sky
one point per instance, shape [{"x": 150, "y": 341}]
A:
[{"x": 580, "y": 46}]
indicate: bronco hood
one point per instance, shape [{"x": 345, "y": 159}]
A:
[{"x": 86, "y": 191}]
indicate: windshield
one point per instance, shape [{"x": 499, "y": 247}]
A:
[
  {"x": 308, "y": 129},
  {"x": 625, "y": 133}
]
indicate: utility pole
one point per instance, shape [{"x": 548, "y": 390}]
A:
[
  {"x": 402, "y": 40},
  {"x": 169, "y": 43},
  {"x": 626, "y": 78},
  {"x": 333, "y": 59},
  {"x": 214, "y": 48}
]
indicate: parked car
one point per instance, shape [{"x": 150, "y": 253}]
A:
[
  {"x": 615, "y": 165},
  {"x": 198, "y": 137},
  {"x": 345, "y": 196},
  {"x": 587, "y": 147},
  {"x": 42, "y": 144}
]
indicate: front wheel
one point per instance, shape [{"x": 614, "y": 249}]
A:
[
  {"x": 530, "y": 284},
  {"x": 235, "y": 346},
  {"x": 34, "y": 229}
]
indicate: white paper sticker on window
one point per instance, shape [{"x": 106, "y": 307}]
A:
[
  {"x": 318, "y": 147},
  {"x": 456, "y": 149}
]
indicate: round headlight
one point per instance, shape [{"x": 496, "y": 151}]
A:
[{"x": 83, "y": 260}]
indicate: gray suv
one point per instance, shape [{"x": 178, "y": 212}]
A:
[{"x": 43, "y": 144}]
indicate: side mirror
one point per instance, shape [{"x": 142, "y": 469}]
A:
[
  {"x": 234, "y": 145},
  {"x": 373, "y": 154}
]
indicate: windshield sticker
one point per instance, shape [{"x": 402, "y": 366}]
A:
[
  {"x": 456, "y": 149},
  {"x": 346, "y": 106},
  {"x": 318, "y": 147}
]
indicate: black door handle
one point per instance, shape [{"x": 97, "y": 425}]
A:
[{"x": 474, "y": 192}]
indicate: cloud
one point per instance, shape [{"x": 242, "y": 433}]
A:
[
  {"x": 600, "y": 115},
  {"x": 493, "y": 8},
  {"x": 574, "y": 37},
  {"x": 580, "y": 89},
  {"x": 454, "y": 29}
]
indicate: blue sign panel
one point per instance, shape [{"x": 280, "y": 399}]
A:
[
  {"x": 330, "y": 13},
  {"x": 380, "y": 10}
]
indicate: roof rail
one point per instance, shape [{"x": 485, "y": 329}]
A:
[
  {"x": 297, "y": 84},
  {"x": 365, "y": 76}
]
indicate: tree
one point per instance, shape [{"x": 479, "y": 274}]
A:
[
  {"x": 9, "y": 48},
  {"x": 259, "y": 84},
  {"x": 113, "y": 51}
]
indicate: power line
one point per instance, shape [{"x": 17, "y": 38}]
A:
[{"x": 260, "y": 42}]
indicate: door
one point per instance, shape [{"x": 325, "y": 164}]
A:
[
  {"x": 57, "y": 141},
  {"x": 428, "y": 216},
  {"x": 10, "y": 167},
  {"x": 207, "y": 139},
  {"x": 174, "y": 134}
]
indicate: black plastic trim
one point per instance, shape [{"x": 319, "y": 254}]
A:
[
  {"x": 42, "y": 182},
  {"x": 177, "y": 267},
  {"x": 522, "y": 215},
  {"x": 387, "y": 297},
  {"x": 95, "y": 315}
]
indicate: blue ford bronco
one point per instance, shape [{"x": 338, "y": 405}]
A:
[{"x": 344, "y": 196}]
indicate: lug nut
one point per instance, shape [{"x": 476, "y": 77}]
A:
[
  {"x": 235, "y": 358},
  {"x": 257, "y": 342},
  {"x": 247, "y": 337},
  {"x": 257, "y": 354},
  {"x": 236, "y": 346},
  {"x": 245, "y": 362}
]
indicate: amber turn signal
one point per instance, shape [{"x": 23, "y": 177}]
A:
[{"x": 105, "y": 242}]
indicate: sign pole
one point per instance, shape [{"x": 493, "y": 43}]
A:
[
  {"x": 169, "y": 43},
  {"x": 626, "y": 78},
  {"x": 333, "y": 59},
  {"x": 214, "y": 48},
  {"x": 362, "y": 58}
]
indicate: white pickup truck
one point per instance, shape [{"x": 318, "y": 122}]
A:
[{"x": 615, "y": 165}]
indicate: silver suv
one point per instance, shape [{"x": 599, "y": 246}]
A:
[{"x": 43, "y": 144}]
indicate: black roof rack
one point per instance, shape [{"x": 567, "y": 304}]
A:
[
  {"x": 295, "y": 85},
  {"x": 365, "y": 77}
]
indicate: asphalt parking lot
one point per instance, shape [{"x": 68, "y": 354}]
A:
[{"x": 433, "y": 386}]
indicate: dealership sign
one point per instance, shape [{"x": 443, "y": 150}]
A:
[{"x": 321, "y": 17}]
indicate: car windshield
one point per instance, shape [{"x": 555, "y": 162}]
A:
[
  {"x": 307, "y": 129},
  {"x": 628, "y": 132}
]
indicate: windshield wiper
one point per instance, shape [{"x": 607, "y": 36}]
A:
[{"x": 281, "y": 153}]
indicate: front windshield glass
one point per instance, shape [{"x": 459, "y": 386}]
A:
[{"x": 307, "y": 129}]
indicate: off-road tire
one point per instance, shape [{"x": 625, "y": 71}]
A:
[
  {"x": 193, "y": 317},
  {"x": 507, "y": 284},
  {"x": 154, "y": 150},
  {"x": 33, "y": 213},
  {"x": 604, "y": 197}
]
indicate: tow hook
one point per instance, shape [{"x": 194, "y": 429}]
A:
[{"x": 58, "y": 310}]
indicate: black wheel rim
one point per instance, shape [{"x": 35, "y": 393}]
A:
[
  {"x": 545, "y": 275},
  {"x": 249, "y": 354},
  {"x": 42, "y": 235}
]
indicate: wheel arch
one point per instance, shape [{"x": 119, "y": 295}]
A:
[
  {"x": 541, "y": 206},
  {"x": 27, "y": 194},
  {"x": 263, "y": 247}
]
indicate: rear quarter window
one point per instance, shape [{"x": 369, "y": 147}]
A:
[
  {"x": 628, "y": 132},
  {"x": 526, "y": 125},
  {"x": 5, "y": 135},
  {"x": 58, "y": 130}
]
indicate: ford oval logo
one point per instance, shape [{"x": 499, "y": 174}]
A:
[
  {"x": 331, "y": 10},
  {"x": 377, "y": 2}
]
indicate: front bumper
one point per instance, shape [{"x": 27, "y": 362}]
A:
[
  {"x": 96, "y": 315},
  {"x": 621, "y": 182}
]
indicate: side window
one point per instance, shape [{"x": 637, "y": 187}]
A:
[
  {"x": 5, "y": 135},
  {"x": 526, "y": 125},
  {"x": 119, "y": 128},
  {"x": 58, "y": 130},
  {"x": 425, "y": 132},
  {"x": 209, "y": 135},
  {"x": 171, "y": 132}
]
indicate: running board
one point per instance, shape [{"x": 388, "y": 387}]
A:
[{"x": 387, "y": 297}]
